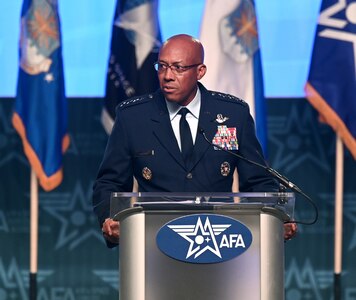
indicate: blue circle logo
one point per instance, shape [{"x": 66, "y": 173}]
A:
[{"x": 204, "y": 238}]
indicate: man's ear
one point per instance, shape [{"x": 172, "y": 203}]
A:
[{"x": 201, "y": 71}]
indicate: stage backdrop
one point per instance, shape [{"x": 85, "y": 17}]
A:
[{"x": 74, "y": 263}]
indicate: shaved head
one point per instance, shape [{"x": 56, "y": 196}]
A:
[
  {"x": 189, "y": 43},
  {"x": 187, "y": 53}
]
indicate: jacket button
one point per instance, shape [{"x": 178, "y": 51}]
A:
[{"x": 189, "y": 176}]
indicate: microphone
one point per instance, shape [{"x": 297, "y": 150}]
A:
[{"x": 281, "y": 179}]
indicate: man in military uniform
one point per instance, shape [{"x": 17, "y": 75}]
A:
[{"x": 150, "y": 141}]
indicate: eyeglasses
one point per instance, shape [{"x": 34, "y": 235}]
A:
[{"x": 176, "y": 69}]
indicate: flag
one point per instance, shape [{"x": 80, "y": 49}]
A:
[
  {"x": 331, "y": 84},
  {"x": 40, "y": 111},
  {"x": 232, "y": 55},
  {"x": 135, "y": 43}
]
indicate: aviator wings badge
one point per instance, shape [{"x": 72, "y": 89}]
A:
[{"x": 221, "y": 119}]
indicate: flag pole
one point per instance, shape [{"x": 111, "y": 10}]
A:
[
  {"x": 33, "y": 235},
  {"x": 339, "y": 178}
]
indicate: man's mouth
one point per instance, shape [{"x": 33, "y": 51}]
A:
[{"x": 168, "y": 89}]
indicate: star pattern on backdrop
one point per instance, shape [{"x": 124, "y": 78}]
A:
[
  {"x": 350, "y": 213},
  {"x": 309, "y": 280},
  {"x": 76, "y": 219},
  {"x": 109, "y": 277},
  {"x": 15, "y": 279},
  {"x": 295, "y": 138},
  {"x": 10, "y": 143}
]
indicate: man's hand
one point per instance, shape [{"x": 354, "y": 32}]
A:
[
  {"x": 290, "y": 230},
  {"x": 111, "y": 230}
]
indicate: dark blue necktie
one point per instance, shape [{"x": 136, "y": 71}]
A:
[{"x": 185, "y": 136}]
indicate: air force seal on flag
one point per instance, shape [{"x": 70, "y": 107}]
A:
[
  {"x": 39, "y": 38},
  {"x": 204, "y": 238},
  {"x": 238, "y": 32}
]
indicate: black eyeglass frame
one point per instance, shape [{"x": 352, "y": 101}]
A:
[{"x": 175, "y": 68}]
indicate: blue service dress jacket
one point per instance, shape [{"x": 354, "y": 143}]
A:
[{"x": 143, "y": 145}]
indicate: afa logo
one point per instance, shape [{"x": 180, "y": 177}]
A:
[{"x": 204, "y": 238}]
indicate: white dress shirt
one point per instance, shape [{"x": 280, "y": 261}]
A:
[{"x": 192, "y": 117}]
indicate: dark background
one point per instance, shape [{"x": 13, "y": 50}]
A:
[{"x": 74, "y": 262}]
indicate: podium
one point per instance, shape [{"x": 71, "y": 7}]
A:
[{"x": 207, "y": 246}]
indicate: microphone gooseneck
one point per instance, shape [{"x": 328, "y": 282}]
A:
[{"x": 281, "y": 179}]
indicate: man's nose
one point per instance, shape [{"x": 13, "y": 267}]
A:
[{"x": 168, "y": 74}]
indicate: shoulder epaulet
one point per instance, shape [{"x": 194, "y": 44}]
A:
[
  {"x": 227, "y": 97},
  {"x": 135, "y": 101}
]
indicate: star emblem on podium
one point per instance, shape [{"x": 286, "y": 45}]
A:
[{"x": 201, "y": 237}]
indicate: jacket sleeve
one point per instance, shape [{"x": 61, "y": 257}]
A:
[{"x": 115, "y": 172}]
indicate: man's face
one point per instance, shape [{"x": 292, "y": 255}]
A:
[{"x": 179, "y": 88}]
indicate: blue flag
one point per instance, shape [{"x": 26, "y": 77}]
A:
[
  {"x": 135, "y": 43},
  {"x": 40, "y": 112},
  {"x": 229, "y": 34},
  {"x": 331, "y": 86}
]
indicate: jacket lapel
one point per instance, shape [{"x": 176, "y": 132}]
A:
[
  {"x": 207, "y": 125},
  {"x": 162, "y": 129}
]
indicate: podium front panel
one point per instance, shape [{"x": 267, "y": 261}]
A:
[
  {"x": 147, "y": 273},
  {"x": 132, "y": 257}
]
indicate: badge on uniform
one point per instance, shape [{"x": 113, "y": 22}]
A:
[
  {"x": 225, "y": 169},
  {"x": 221, "y": 119},
  {"x": 147, "y": 173},
  {"x": 226, "y": 138}
]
